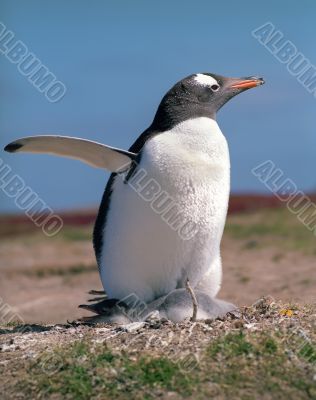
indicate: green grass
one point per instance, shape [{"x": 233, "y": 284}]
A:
[
  {"x": 75, "y": 234},
  {"x": 308, "y": 352},
  {"x": 33, "y": 234},
  {"x": 79, "y": 372},
  {"x": 10, "y": 324},
  {"x": 62, "y": 271},
  {"x": 239, "y": 365},
  {"x": 275, "y": 226},
  {"x": 230, "y": 346},
  {"x": 258, "y": 363}
]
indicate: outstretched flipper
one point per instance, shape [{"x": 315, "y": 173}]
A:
[{"x": 95, "y": 154}]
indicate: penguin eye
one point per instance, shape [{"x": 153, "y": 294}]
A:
[{"x": 215, "y": 87}]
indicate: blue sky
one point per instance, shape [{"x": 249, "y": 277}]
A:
[{"x": 118, "y": 58}]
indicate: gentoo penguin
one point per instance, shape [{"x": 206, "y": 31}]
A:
[{"x": 164, "y": 207}]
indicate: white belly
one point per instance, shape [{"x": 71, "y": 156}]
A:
[{"x": 151, "y": 247}]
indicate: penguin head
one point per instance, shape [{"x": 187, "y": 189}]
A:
[{"x": 200, "y": 95}]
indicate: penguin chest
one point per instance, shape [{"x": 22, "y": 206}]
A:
[{"x": 165, "y": 224}]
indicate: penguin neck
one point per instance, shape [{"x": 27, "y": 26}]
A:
[{"x": 170, "y": 115}]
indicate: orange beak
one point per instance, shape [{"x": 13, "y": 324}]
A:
[{"x": 247, "y": 83}]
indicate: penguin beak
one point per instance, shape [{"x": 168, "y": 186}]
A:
[
  {"x": 231, "y": 87},
  {"x": 245, "y": 83}
]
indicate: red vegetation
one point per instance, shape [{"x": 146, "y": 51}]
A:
[{"x": 238, "y": 203}]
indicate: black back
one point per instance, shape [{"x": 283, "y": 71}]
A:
[{"x": 100, "y": 223}]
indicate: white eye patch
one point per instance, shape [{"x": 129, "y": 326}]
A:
[{"x": 205, "y": 80}]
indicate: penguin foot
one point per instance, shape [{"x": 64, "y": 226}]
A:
[
  {"x": 97, "y": 292},
  {"x": 176, "y": 306},
  {"x": 108, "y": 311}
]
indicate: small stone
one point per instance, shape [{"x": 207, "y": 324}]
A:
[
  {"x": 7, "y": 347},
  {"x": 251, "y": 326},
  {"x": 132, "y": 327},
  {"x": 153, "y": 317},
  {"x": 59, "y": 328},
  {"x": 235, "y": 314}
]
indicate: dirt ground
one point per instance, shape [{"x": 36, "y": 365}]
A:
[
  {"x": 267, "y": 252},
  {"x": 265, "y": 350}
]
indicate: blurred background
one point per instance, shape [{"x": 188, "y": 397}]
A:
[{"x": 117, "y": 59}]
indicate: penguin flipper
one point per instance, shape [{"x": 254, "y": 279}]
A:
[{"x": 95, "y": 154}]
